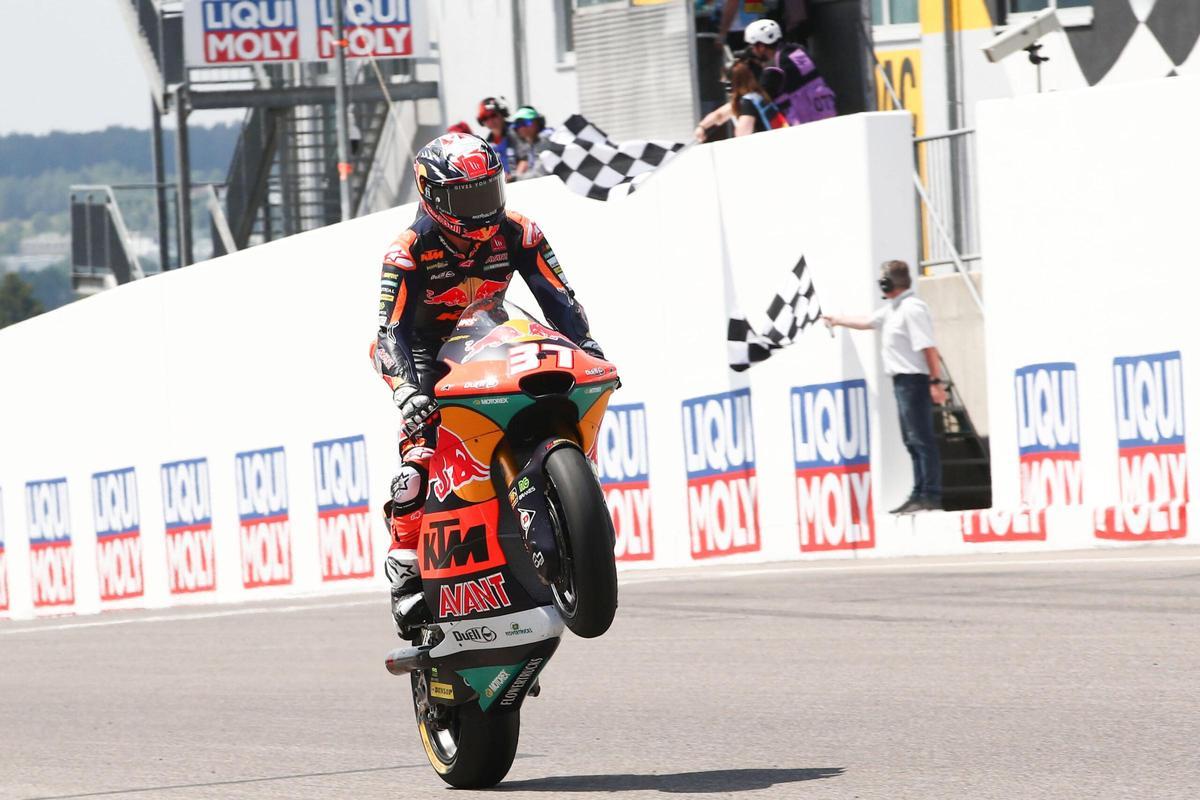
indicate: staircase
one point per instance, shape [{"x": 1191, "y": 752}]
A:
[{"x": 966, "y": 458}]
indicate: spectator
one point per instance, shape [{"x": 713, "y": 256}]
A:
[
  {"x": 459, "y": 127},
  {"x": 493, "y": 115},
  {"x": 533, "y": 137},
  {"x": 804, "y": 96},
  {"x": 910, "y": 357},
  {"x": 735, "y": 16},
  {"x": 749, "y": 107}
]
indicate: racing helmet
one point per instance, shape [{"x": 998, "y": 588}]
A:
[
  {"x": 461, "y": 184},
  {"x": 489, "y": 106},
  {"x": 763, "y": 31}
]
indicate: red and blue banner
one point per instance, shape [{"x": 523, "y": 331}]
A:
[
  {"x": 722, "y": 484},
  {"x": 51, "y": 557},
  {"x": 187, "y": 515},
  {"x": 623, "y": 464},
  {"x": 831, "y": 444},
  {"x": 343, "y": 508},
  {"x": 118, "y": 534},
  {"x": 1047, "y": 397},
  {"x": 265, "y": 530}
]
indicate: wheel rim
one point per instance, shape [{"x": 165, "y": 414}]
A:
[
  {"x": 442, "y": 739},
  {"x": 563, "y": 589}
]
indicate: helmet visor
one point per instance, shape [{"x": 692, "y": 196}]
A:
[{"x": 468, "y": 200}]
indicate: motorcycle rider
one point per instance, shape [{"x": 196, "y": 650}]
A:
[{"x": 463, "y": 247}]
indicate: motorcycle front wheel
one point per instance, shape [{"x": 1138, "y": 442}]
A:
[
  {"x": 585, "y": 590},
  {"x": 468, "y": 748}
]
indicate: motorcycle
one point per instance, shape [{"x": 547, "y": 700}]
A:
[{"x": 516, "y": 542}]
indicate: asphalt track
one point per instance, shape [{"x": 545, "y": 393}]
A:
[{"x": 1067, "y": 676}]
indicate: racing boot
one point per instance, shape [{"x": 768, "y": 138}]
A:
[{"x": 403, "y": 513}]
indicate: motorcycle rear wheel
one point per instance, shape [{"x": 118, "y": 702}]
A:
[
  {"x": 585, "y": 591},
  {"x": 472, "y": 749}
]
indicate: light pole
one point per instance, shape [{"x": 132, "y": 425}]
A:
[{"x": 344, "y": 166}]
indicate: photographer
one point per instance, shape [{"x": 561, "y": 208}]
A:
[{"x": 910, "y": 357}]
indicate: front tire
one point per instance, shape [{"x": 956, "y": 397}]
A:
[
  {"x": 470, "y": 749},
  {"x": 585, "y": 591}
]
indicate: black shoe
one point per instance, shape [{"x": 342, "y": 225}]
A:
[
  {"x": 907, "y": 507},
  {"x": 930, "y": 504}
]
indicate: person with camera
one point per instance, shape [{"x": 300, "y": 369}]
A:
[{"x": 910, "y": 357}]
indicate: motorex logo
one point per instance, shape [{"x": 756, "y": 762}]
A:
[
  {"x": 52, "y": 561},
  {"x": 1047, "y": 398},
  {"x": 831, "y": 443},
  {"x": 623, "y": 463},
  {"x": 1151, "y": 450},
  {"x": 187, "y": 514},
  {"x": 118, "y": 533},
  {"x": 343, "y": 513},
  {"x": 718, "y": 440},
  {"x": 265, "y": 530}
]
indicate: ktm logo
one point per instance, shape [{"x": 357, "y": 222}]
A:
[
  {"x": 460, "y": 542},
  {"x": 448, "y": 546},
  {"x": 432, "y": 255}
]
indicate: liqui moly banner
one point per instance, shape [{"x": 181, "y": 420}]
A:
[
  {"x": 225, "y": 32},
  {"x": 831, "y": 444},
  {"x": 3, "y": 562},
  {"x": 722, "y": 488},
  {"x": 187, "y": 514},
  {"x": 623, "y": 463},
  {"x": 343, "y": 512},
  {"x": 265, "y": 531},
  {"x": 1151, "y": 450},
  {"x": 51, "y": 557},
  {"x": 118, "y": 534},
  {"x": 1048, "y": 435},
  {"x": 999, "y": 525}
]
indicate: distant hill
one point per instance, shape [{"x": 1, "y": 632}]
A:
[{"x": 26, "y": 156}]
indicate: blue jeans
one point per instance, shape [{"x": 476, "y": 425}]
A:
[{"x": 916, "y": 428}]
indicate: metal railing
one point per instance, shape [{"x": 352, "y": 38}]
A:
[
  {"x": 946, "y": 165},
  {"x": 100, "y": 242}
]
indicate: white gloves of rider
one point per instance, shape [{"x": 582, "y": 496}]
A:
[{"x": 416, "y": 408}]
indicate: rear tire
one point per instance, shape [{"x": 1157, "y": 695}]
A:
[
  {"x": 585, "y": 593},
  {"x": 474, "y": 750}
]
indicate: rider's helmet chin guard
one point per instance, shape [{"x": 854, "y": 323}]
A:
[{"x": 460, "y": 180}]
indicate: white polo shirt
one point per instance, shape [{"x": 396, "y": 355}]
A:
[{"x": 907, "y": 328}]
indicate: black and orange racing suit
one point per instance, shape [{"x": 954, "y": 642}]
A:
[{"x": 427, "y": 284}]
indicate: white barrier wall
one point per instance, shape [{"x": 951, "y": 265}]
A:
[
  {"x": 217, "y": 433},
  {"x": 1088, "y": 213}
]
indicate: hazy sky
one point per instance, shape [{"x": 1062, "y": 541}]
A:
[{"x": 69, "y": 65}]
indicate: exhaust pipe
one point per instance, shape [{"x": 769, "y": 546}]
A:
[{"x": 404, "y": 660}]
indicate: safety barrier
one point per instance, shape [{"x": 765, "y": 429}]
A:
[{"x": 216, "y": 434}]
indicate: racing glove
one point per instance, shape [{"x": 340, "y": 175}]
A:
[
  {"x": 416, "y": 408},
  {"x": 590, "y": 347}
]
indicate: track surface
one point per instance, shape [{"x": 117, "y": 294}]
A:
[{"x": 1066, "y": 676}]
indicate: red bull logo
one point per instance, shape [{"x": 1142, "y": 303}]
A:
[
  {"x": 453, "y": 466},
  {"x": 467, "y": 292}
]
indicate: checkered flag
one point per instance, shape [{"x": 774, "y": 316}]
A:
[
  {"x": 591, "y": 164},
  {"x": 793, "y": 309}
]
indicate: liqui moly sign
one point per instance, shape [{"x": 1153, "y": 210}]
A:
[
  {"x": 118, "y": 534},
  {"x": 831, "y": 444},
  {"x": 1151, "y": 450},
  {"x": 265, "y": 531},
  {"x": 1048, "y": 434},
  {"x": 227, "y": 32},
  {"x": 343, "y": 512},
  {"x": 623, "y": 462},
  {"x": 51, "y": 557},
  {"x": 187, "y": 513},
  {"x": 722, "y": 487},
  {"x": 377, "y": 28}
]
